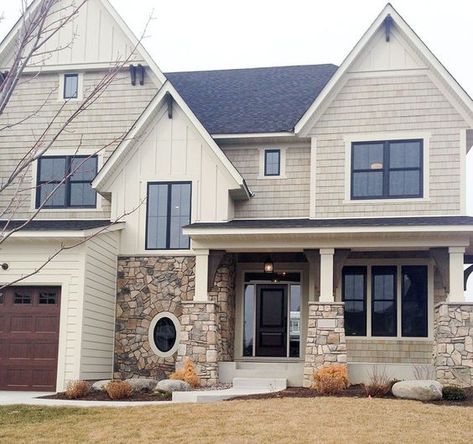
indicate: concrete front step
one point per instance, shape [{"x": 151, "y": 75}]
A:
[
  {"x": 241, "y": 387},
  {"x": 272, "y": 384}
]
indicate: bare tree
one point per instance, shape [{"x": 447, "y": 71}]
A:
[{"x": 41, "y": 20}]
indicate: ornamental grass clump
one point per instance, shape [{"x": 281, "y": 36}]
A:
[
  {"x": 77, "y": 389},
  {"x": 117, "y": 390},
  {"x": 330, "y": 380},
  {"x": 379, "y": 384},
  {"x": 187, "y": 373}
]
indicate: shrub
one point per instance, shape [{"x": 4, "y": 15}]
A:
[
  {"x": 77, "y": 389},
  {"x": 187, "y": 373},
  {"x": 117, "y": 390},
  {"x": 451, "y": 393},
  {"x": 379, "y": 384},
  {"x": 331, "y": 379}
]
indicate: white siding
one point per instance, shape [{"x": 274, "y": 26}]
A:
[
  {"x": 99, "y": 307},
  {"x": 274, "y": 197},
  {"x": 171, "y": 150}
]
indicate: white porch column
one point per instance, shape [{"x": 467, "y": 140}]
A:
[
  {"x": 326, "y": 275},
  {"x": 456, "y": 273},
  {"x": 201, "y": 275}
]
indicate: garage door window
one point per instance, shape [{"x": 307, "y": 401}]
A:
[
  {"x": 22, "y": 298},
  {"x": 47, "y": 298}
]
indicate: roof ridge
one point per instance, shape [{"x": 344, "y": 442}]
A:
[{"x": 251, "y": 69}]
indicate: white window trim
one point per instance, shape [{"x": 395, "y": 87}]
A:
[
  {"x": 389, "y": 135},
  {"x": 282, "y": 163},
  {"x": 398, "y": 263},
  {"x": 80, "y": 87},
  {"x": 34, "y": 182},
  {"x": 177, "y": 326}
]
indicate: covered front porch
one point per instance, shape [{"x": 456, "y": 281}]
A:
[{"x": 298, "y": 300}]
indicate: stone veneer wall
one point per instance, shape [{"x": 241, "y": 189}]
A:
[
  {"x": 146, "y": 287},
  {"x": 325, "y": 337},
  {"x": 223, "y": 294},
  {"x": 453, "y": 343}
]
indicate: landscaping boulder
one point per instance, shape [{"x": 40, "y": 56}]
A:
[
  {"x": 99, "y": 386},
  {"x": 423, "y": 390},
  {"x": 142, "y": 384},
  {"x": 172, "y": 385}
]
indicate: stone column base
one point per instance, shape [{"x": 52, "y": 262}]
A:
[
  {"x": 453, "y": 343},
  {"x": 199, "y": 338},
  {"x": 325, "y": 338}
]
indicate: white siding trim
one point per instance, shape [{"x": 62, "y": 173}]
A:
[
  {"x": 463, "y": 152},
  {"x": 313, "y": 178}
]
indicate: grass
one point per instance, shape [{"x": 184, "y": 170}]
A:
[{"x": 327, "y": 420}]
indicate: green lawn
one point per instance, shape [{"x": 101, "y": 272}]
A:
[{"x": 332, "y": 420}]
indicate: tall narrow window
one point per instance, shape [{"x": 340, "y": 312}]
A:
[
  {"x": 414, "y": 301},
  {"x": 66, "y": 182},
  {"x": 169, "y": 209},
  {"x": 272, "y": 162},
  {"x": 384, "y": 319},
  {"x": 295, "y": 321},
  {"x": 354, "y": 296},
  {"x": 71, "y": 86},
  {"x": 248, "y": 320},
  {"x": 387, "y": 169}
]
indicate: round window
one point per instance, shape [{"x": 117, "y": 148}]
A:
[{"x": 164, "y": 333}]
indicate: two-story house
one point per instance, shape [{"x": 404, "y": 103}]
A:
[{"x": 266, "y": 221}]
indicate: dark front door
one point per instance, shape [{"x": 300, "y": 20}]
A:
[
  {"x": 271, "y": 321},
  {"x": 29, "y": 336}
]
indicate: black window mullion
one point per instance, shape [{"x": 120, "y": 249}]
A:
[
  {"x": 168, "y": 218},
  {"x": 386, "y": 169},
  {"x": 67, "y": 182}
]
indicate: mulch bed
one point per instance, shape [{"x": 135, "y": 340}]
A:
[
  {"x": 102, "y": 396},
  {"x": 354, "y": 391}
]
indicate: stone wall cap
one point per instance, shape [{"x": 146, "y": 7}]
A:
[
  {"x": 467, "y": 303},
  {"x": 199, "y": 302},
  {"x": 326, "y": 303}
]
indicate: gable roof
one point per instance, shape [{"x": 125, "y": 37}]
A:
[
  {"x": 255, "y": 100},
  {"x": 9, "y": 39},
  {"x": 460, "y": 94},
  {"x": 120, "y": 153}
]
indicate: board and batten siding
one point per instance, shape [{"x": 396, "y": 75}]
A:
[
  {"x": 171, "y": 149},
  {"x": 273, "y": 197},
  {"x": 98, "y": 317},
  {"x": 105, "y": 121},
  {"x": 401, "y": 104}
]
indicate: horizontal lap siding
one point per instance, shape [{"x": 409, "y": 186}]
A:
[
  {"x": 99, "y": 307},
  {"x": 288, "y": 197},
  {"x": 377, "y": 105},
  {"x": 108, "y": 119}
]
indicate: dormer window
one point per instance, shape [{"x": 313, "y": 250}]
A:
[
  {"x": 272, "y": 162},
  {"x": 71, "y": 86},
  {"x": 387, "y": 169}
]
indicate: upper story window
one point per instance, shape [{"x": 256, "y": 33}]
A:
[
  {"x": 272, "y": 162},
  {"x": 71, "y": 86},
  {"x": 168, "y": 210},
  {"x": 387, "y": 169},
  {"x": 66, "y": 182},
  {"x": 386, "y": 301}
]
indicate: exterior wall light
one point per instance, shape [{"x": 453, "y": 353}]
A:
[{"x": 268, "y": 265}]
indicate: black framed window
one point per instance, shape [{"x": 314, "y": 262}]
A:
[
  {"x": 384, "y": 301},
  {"x": 71, "y": 86},
  {"x": 414, "y": 309},
  {"x": 168, "y": 210},
  {"x": 354, "y": 296},
  {"x": 387, "y": 169},
  {"x": 272, "y": 162},
  {"x": 69, "y": 178}
]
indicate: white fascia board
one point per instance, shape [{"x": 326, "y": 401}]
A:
[
  {"x": 252, "y": 135},
  {"x": 301, "y": 126},
  {"x": 118, "y": 155},
  {"x": 67, "y": 234},
  {"x": 208, "y": 232}
]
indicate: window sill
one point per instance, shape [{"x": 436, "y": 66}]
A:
[
  {"x": 271, "y": 177},
  {"x": 385, "y": 201},
  {"x": 388, "y": 338}
]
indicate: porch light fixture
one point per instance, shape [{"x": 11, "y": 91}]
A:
[{"x": 268, "y": 265}]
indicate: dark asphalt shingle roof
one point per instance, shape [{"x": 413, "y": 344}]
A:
[
  {"x": 254, "y": 100},
  {"x": 53, "y": 225},
  {"x": 348, "y": 223}
]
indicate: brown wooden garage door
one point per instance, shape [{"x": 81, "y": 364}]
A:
[{"x": 29, "y": 336}]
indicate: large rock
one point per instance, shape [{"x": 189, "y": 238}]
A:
[
  {"x": 142, "y": 384},
  {"x": 422, "y": 390},
  {"x": 172, "y": 385},
  {"x": 99, "y": 386}
]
